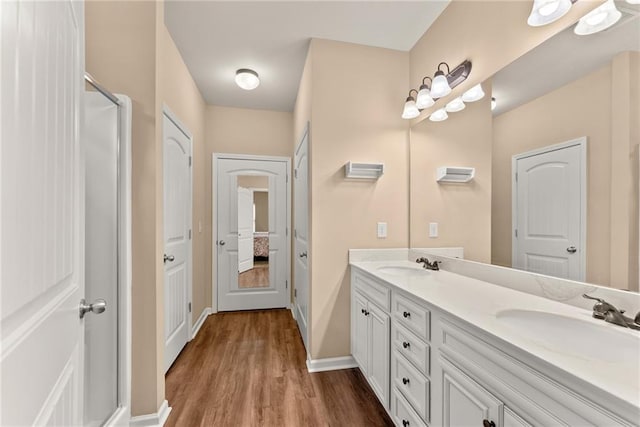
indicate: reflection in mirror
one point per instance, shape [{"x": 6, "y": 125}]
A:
[
  {"x": 253, "y": 232},
  {"x": 569, "y": 213}
]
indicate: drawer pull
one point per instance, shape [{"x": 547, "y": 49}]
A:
[
  {"x": 405, "y": 423},
  {"x": 406, "y": 344},
  {"x": 405, "y": 381},
  {"x": 487, "y": 423},
  {"x": 406, "y": 314}
]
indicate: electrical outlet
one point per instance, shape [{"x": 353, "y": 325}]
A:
[
  {"x": 433, "y": 229},
  {"x": 382, "y": 230}
]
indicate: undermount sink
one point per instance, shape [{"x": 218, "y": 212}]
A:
[
  {"x": 577, "y": 337},
  {"x": 403, "y": 271}
]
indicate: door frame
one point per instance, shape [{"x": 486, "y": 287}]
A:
[
  {"x": 214, "y": 219},
  {"x": 166, "y": 112},
  {"x": 580, "y": 142}
]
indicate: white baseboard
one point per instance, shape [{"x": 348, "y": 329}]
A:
[
  {"x": 331, "y": 364},
  {"x": 293, "y": 312},
  {"x": 120, "y": 418},
  {"x": 196, "y": 328},
  {"x": 152, "y": 420}
]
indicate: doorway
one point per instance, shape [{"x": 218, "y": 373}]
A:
[
  {"x": 549, "y": 210},
  {"x": 301, "y": 236},
  {"x": 252, "y": 217}
]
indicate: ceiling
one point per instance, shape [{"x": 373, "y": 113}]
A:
[
  {"x": 564, "y": 58},
  {"x": 215, "y": 38}
]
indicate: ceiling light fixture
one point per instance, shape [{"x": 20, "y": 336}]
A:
[
  {"x": 440, "y": 86},
  {"x": 599, "y": 19},
  {"x": 424, "y": 99},
  {"x": 454, "y": 106},
  {"x": 247, "y": 79},
  {"x": 545, "y": 12},
  {"x": 474, "y": 94},
  {"x": 410, "y": 110},
  {"x": 633, "y": 1},
  {"x": 439, "y": 115},
  {"x": 493, "y": 103}
]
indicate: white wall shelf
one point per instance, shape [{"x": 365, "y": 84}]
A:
[
  {"x": 455, "y": 174},
  {"x": 354, "y": 170}
]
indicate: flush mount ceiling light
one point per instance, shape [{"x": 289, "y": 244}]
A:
[
  {"x": 633, "y": 1},
  {"x": 547, "y": 11},
  {"x": 493, "y": 103},
  {"x": 439, "y": 115},
  {"x": 455, "y": 105},
  {"x": 599, "y": 19},
  {"x": 410, "y": 110},
  {"x": 247, "y": 79},
  {"x": 474, "y": 94},
  {"x": 424, "y": 99},
  {"x": 440, "y": 86}
]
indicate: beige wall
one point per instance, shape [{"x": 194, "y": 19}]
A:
[
  {"x": 568, "y": 113},
  {"x": 355, "y": 115},
  {"x": 462, "y": 211}
]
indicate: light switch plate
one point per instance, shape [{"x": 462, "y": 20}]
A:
[
  {"x": 382, "y": 230},
  {"x": 433, "y": 229}
]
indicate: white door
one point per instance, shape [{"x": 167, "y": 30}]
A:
[
  {"x": 549, "y": 211},
  {"x": 359, "y": 326},
  {"x": 245, "y": 229},
  {"x": 42, "y": 213},
  {"x": 379, "y": 350},
  {"x": 271, "y": 293},
  {"x": 177, "y": 239},
  {"x": 301, "y": 236}
]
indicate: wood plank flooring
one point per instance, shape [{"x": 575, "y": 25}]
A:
[
  {"x": 257, "y": 277},
  {"x": 249, "y": 369}
]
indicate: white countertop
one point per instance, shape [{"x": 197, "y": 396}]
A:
[{"x": 478, "y": 302}]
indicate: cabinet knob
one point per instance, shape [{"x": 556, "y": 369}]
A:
[
  {"x": 405, "y": 423},
  {"x": 405, "y": 381},
  {"x": 487, "y": 423},
  {"x": 363, "y": 311},
  {"x": 406, "y": 344},
  {"x": 406, "y": 314}
]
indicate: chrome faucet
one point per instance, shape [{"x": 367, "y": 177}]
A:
[
  {"x": 609, "y": 313},
  {"x": 427, "y": 264}
]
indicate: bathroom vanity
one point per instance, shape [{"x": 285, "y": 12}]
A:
[{"x": 443, "y": 349}]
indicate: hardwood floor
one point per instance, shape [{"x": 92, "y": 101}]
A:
[
  {"x": 249, "y": 369},
  {"x": 257, "y": 277}
]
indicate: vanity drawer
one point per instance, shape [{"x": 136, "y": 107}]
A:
[
  {"x": 402, "y": 413},
  {"x": 415, "y": 317},
  {"x": 411, "y": 347},
  {"x": 376, "y": 292},
  {"x": 412, "y": 384}
]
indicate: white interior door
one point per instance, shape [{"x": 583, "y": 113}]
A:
[
  {"x": 245, "y": 229},
  {"x": 301, "y": 236},
  {"x": 42, "y": 213},
  {"x": 177, "y": 239},
  {"x": 271, "y": 293},
  {"x": 549, "y": 211}
]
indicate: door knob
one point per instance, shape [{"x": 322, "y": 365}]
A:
[
  {"x": 169, "y": 258},
  {"x": 99, "y": 306},
  {"x": 303, "y": 255},
  {"x": 572, "y": 249},
  {"x": 221, "y": 242},
  {"x": 487, "y": 423}
]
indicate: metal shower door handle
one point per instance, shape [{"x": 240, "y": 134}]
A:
[
  {"x": 98, "y": 306},
  {"x": 572, "y": 249}
]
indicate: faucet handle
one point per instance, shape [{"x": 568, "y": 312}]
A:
[{"x": 600, "y": 300}]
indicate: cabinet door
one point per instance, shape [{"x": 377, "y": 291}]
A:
[
  {"x": 511, "y": 419},
  {"x": 465, "y": 403},
  {"x": 359, "y": 331},
  {"x": 379, "y": 351}
]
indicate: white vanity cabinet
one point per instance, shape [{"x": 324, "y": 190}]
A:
[{"x": 370, "y": 332}]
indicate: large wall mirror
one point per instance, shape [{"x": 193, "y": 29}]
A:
[{"x": 556, "y": 163}]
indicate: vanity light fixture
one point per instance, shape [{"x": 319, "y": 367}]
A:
[
  {"x": 599, "y": 19},
  {"x": 440, "y": 86},
  {"x": 410, "y": 109},
  {"x": 493, "y": 103},
  {"x": 247, "y": 79},
  {"x": 633, "y": 1},
  {"x": 424, "y": 99},
  {"x": 439, "y": 115},
  {"x": 545, "y": 12},
  {"x": 474, "y": 94},
  {"x": 454, "y": 106}
]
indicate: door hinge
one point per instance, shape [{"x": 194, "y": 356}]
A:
[
  {"x": 287, "y": 233},
  {"x": 295, "y": 232},
  {"x": 516, "y": 176},
  {"x": 286, "y": 284},
  {"x": 190, "y": 160},
  {"x": 295, "y": 173},
  {"x": 516, "y": 232},
  {"x": 189, "y": 307},
  {"x": 287, "y": 177},
  {"x": 189, "y": 234},
  {"x": 295, "y": 293}
]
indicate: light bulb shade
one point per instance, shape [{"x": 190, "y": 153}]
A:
[
  {"x": 454, "y": 106},
  {"x": 493, "y": 103},
  {"x": 410, "y": 110},
  {"x": 439, "y": 115},
  {"x": 600, "y": 18},
  {"x": 474, "y": 94},
  {"x": 424, "y": 99},
  {"x": 547, "y": 11},
  {"x": 440, "y": 86},
  {"x": 633, "y": 1},
  {"x": 247, "y": 79}
]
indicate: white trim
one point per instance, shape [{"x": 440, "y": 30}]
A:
[
  {"x": 292, "y": 309},
  {"x": 214, "y": 218},
  {"x": 331, "y": 364},
  {"x": 203, "y": 316},
  {"x": 152, "y": 420},
  {"x": 121, "y": 417},
  {"x": 582, "y": 143}
]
